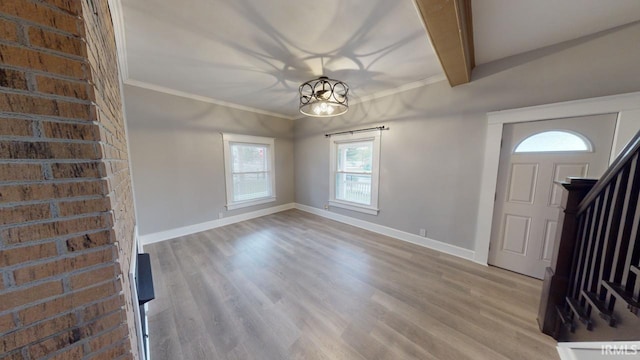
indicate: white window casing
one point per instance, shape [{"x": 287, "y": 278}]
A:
[
  {"x": 345, "y": 192},
  {"x": 238, "y": 170}
]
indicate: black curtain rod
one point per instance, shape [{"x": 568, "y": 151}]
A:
[{"x": 359, "y": 130}]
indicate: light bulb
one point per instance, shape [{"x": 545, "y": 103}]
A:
[{"x": 323, "y": 108}]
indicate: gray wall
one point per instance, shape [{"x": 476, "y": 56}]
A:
[
  {"x": 431, "y": 159},
  {"x": 177, "y": 158}
]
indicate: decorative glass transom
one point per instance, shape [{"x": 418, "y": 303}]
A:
[{"x": 554, "y": 141}]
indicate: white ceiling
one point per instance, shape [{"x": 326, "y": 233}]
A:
[
  {"x": 503, "y": 28},
  {"x": 255, "y": 53}
]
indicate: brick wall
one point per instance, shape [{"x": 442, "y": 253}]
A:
[{"x": 66, "y": 212}]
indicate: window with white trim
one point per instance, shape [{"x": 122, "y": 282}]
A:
[
  {"x": 249, "y": 170},
  {"x": 355, "y": 163}
]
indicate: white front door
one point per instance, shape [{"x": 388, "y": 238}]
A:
[{"x": 533, "y": 156}]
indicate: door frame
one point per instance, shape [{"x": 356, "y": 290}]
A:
[{"x": 496, "y": 120}]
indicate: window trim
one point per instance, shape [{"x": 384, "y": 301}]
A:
[
  {"x": 229, "y": 139},
  {"x": 335, "y": 140}
]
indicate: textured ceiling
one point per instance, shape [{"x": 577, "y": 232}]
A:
[{"x": 255, "y": 53}]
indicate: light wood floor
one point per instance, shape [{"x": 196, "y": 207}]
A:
[{"x": 297, "y": 286}]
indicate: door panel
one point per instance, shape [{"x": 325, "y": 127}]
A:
[
  {"x": 527, "y": 199},
  {"x": 516, "y": 234},
  {"x": 523, "y": 182},
  {"x": 549, "y": 237}
]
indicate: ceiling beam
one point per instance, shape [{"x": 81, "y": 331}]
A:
[{"x": 450, "y": 28}]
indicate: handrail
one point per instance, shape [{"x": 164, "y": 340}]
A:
[
  {"x": 591, "y": 278},
  {"x": 625, "y": 156}
]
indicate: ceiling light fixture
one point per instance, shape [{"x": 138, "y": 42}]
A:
[{"x": 323, "y": 97}]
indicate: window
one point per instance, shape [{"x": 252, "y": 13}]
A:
[
  {"x": 554, "y": 141},
  {"x": 354, "y": 172},
  {"x": 248, "y": 169}
]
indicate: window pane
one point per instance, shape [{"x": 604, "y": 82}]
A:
[
  {"x": 550, "y": 141},
  {"x": 354, "y": 188},
  {"x": 251, "y": 186},
  {"x": 248, "y": 158},
  {"x": 355, "y": 157}
]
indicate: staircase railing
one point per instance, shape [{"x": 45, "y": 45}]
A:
[{"x": 592, "y": 290}]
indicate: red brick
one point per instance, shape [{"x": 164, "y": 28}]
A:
[
  {"x": 73, "y": 7},
  {"x": 79, "y": 189},
  {"x": 75, "y": 89},
  {"x": 41, "y": 14},
  {"x": 13, "y": 79},
  {"x": 32, "y": 59},
  {"x": 14, "y": 256},
  {"x": 27, "y": 104},
  {"x": 19, "y": 214},
  {"x": 72, "y": 301},
  {"x": 71, "y": 131},
  {"x": 93, "y": 277},
  {"x": 6, "y": 323},
  {"x": 112, "y": 353},
  {"x": 17, "y": 355},
  {"x": 70, "y": 208},
  {"x": 52, "y": 229},
  {"x": 74, "y": 353},
  {"x": 107, "y": 292},
  {"x": 78, "y": 170},
  {"x": 8, "y": 30},
  {"x": 28, "y": 335},
  {"x": 111, "y": 337},
  {"x": 54, "y": 344},
  {"x": 89, "y": 241},
  {"x": 16, "y": 127},
  {"x": 103, "y": 323},
  {"x": 1, "y": 282},
  {"x": 48, "y": 309},
  {"x": 22, "y": 172},
  {"x": 14, "y": 193},
  {"x": 37, "y": 272},
  {"x": 47, "y": 150},
  {"x": 46, "y": 39},
  {"x": 29, "y": 295},
  {"x": 96, "y": 310}
]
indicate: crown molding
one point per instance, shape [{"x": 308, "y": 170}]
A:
[
  {"x": 384, "y": 93},
  {"x": 166, "y": 90},
  {"x": 117, "y": 18}
]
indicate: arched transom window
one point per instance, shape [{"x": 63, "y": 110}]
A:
[{"x": 554, "y": 141}]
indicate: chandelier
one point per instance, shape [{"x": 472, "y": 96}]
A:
[{"x": 323, "y": 97}]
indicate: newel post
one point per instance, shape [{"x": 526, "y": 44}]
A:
[{"x": 556, "y": 278}]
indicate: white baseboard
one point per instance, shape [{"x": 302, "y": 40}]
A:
[
  {"x": 394, "y": 233},
  {"x": 599, "y": 350},
  {"x": 196, "y": 228},
  {"x": 380, "y": 229}
]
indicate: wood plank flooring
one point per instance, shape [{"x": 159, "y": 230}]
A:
[{"x": 297, "y": 286}]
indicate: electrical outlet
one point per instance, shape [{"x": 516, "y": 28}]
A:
[
  {"x": 220, "y": 215},
  {"x": 326, "y": 207},
  {"x": 423, "y": 232}
]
